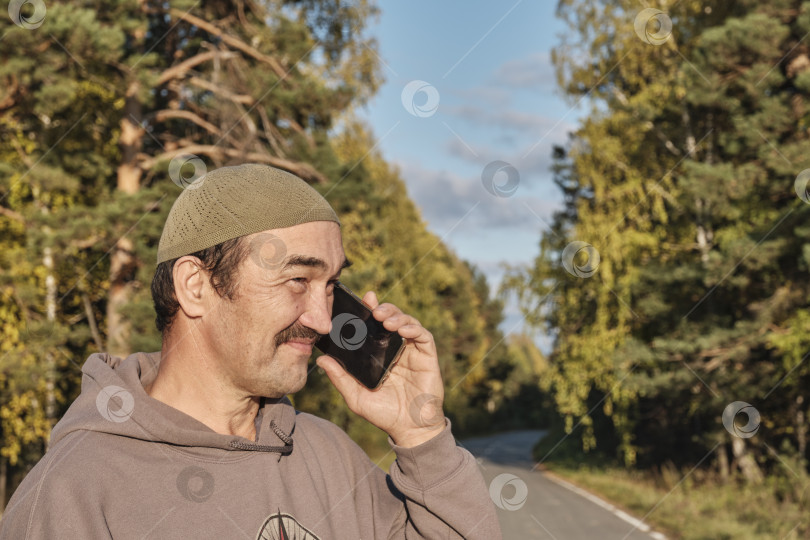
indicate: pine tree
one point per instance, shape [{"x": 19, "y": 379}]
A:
[
  {"x": 95, "y": 103},
  {"x": 682, "y": 179},
  {"x": 109, "y": 109}
]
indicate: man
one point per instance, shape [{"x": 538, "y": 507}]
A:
[{"x": 199, "y": 441}]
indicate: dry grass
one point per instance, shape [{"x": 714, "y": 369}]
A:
[{"x": 699, "y": 507}]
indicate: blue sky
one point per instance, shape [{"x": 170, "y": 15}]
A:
[{"x": 488, "y": 64}]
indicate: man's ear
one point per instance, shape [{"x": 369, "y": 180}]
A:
[{"x": 191, "y": 286}]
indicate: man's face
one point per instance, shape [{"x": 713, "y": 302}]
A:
[{"x": 260, "y": 341}]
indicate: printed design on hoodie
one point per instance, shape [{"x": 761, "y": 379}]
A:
[{"x": 280, "y": 526}]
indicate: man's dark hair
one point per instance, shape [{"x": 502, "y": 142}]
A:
[{"x": 222, "y": 264}]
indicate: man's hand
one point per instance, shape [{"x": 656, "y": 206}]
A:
[{"x": 408, "y": 405}]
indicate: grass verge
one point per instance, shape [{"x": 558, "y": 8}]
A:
[{"x": 695, "y": 504}]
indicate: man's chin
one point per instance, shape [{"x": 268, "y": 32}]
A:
[
  {"x": 278, "y": 389},
  {"x": 294, "y": 386},
  {"x": 287, "y": 373},
  {"x": 298, "y": 387}
]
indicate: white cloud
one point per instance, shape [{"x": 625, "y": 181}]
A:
[
  {"x": 523, "y": 139},
  {"x": 483, "y": 229},
  {"x": 521, "y": 122},
  {"x": 534, "y": 166},
  {"x": 533, "y": 72},
  {"x": 495, "y": 96},
  {"x": 447, "y": 199}
]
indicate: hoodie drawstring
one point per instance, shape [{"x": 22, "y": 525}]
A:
[{"x": 285, "y": 437}]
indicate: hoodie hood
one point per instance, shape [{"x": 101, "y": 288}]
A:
[{"x": 113, "y": 400}]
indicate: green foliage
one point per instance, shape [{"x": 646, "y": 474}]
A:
[
  {"x": 93, "y": 106},
  {"x": 682, "y": 178},
  {"x": 96, "y": 104}
]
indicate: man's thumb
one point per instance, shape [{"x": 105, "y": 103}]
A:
[{"x": 339, "y": 377}]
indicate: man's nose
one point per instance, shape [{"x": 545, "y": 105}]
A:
[{"x": 318, "y": 314}]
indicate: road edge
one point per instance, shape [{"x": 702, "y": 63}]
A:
[{"x": 605, "y": 505}]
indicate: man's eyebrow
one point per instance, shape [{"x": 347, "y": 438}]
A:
[{"x": 313, "y": 262}]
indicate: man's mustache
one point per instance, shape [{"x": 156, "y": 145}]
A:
[{"x": 296, "y": 331}]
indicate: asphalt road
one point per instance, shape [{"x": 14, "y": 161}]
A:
[{"x": 533, "y": 505}]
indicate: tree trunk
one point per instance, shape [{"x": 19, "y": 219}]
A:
[
  {"x": 50, "y": 360},
  {"x": 703, "y": 232},
  {"x": 91, "y": 320},
  {"x": 122, "y": 273},
  {"x": 745, "y": 461},
  {"x": 122, "y": 261},
  {"x": 722, "y": 463},
  {"x": 3, "y": 483},
  {"x": 801, "y": 427},
  {"x": 702, "y": 236},
  {"x": 129, "y": 172}
]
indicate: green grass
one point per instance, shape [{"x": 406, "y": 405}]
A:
[
  {"x": 696, "y": 505},
  {"x": 696, "y": 511}
]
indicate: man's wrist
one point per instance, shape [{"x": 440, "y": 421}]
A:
[
  {"x": 430, "y": 460},
  {"x": 415, "y": 437}
]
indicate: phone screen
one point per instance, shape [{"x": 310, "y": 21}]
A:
[{"x": 365, "y": 349}]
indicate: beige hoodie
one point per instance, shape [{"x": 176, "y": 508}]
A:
[{"x": 123, "y": 465}]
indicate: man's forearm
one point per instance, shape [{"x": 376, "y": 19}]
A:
[{"x": 445, "y": 493}]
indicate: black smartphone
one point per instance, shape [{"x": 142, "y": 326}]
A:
[{"x": 365, "y": 349}]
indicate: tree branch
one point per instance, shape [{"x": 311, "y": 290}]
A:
[
  {"x": 8, "y": 100},
  {"x": 20, "y": 152},
  {"x": 668, "y": 144},
  {"x": 91, "y": 319},
  {"x": 230, "y": 40},
  {"x": 86, "y": 243},
  {"x": 180, "y": 69},
  {"x": 227, "y": 94},
  {"x": 301, "y": 131},
  {"x": 9, "y": 213},
  {"x": 271, "y": 133},
  {"x": 168, "y": 114},
  {"x": 300, "y": 169}
]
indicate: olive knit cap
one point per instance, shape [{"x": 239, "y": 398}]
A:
[{"x": 230, "y": 202}]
